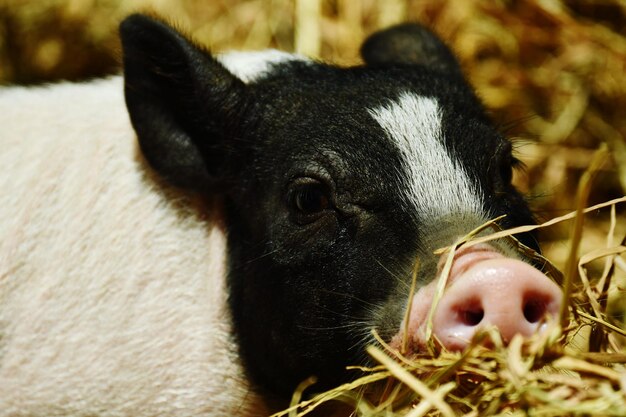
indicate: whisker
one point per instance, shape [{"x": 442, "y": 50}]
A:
[
  {"x": 348, "y": 295},
  {"x": 397, "y": 277},
  {"x": 352, "y": 325},
  {"x": 338, "y": 314},
  {"x": 249, "y": 261}
]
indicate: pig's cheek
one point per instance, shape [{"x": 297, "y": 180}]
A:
[{"x": 422, "y": 301}]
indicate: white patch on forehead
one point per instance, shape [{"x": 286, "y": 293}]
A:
[
  {"x": 250, "y": 66},
  {"x": 434, "y": 183}
]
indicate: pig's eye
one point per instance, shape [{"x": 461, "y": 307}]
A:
[{"x": 308, "y": 196}]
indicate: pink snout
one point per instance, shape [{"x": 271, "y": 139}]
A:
[
  {"x": 502, "y": 292},
  {"x": 484, "y": 288}
]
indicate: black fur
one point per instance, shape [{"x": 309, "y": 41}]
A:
[
  {"x": 170, "y": 86},
  {"x": 320, "y": 246}
]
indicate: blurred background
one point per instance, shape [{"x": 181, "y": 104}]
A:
[{"x": 552, "y": 72}]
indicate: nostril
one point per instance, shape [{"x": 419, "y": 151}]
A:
[
  {"x": 535, "y": 308},
  {"x": 471, "y": 313},
  {"x": 472, "y": 318}
]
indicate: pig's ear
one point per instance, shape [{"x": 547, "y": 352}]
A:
[
  {"x": 408, "y": 44},
  {"x": 181, "y": 102}
]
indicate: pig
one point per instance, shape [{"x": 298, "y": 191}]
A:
[{"x": 243, "y": 223}]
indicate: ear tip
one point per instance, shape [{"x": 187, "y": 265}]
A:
[
  {"x": 138, "y": 22},
  {"x": 400, "y": 38},
  {"x": 406, "y": 30},
  {"x": 407, "y": 44},
  {"x": 133, "y": 20}
]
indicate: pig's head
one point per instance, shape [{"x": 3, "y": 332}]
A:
[{"x": 334, "y": 182}]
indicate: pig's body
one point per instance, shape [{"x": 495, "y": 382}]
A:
[{"x": 112, "y": 294}]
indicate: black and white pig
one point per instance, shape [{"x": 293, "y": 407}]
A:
[{"x": 277, "y": 220}]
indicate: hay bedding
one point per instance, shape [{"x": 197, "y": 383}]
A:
[
  {"x": 555, "y": 373},
  {"x": 577, "y": 366},
  {"x": 556, "y": 69}
]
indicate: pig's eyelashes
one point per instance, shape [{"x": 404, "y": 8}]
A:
[
  {"x": 308, "y": 198},
  {"x": 506, "y": 173},
  {"x": 506, "y": 168}
]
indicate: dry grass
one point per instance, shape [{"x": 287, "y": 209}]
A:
[
  {"x": 576, "y": 367},
  {"x": 553, "y": 74}
]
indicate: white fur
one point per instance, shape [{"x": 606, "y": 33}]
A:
[
  {"x": 251, "y": 66},
  {"x": 434, "y": 184},
  {"x": 112, "y": 300}
]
